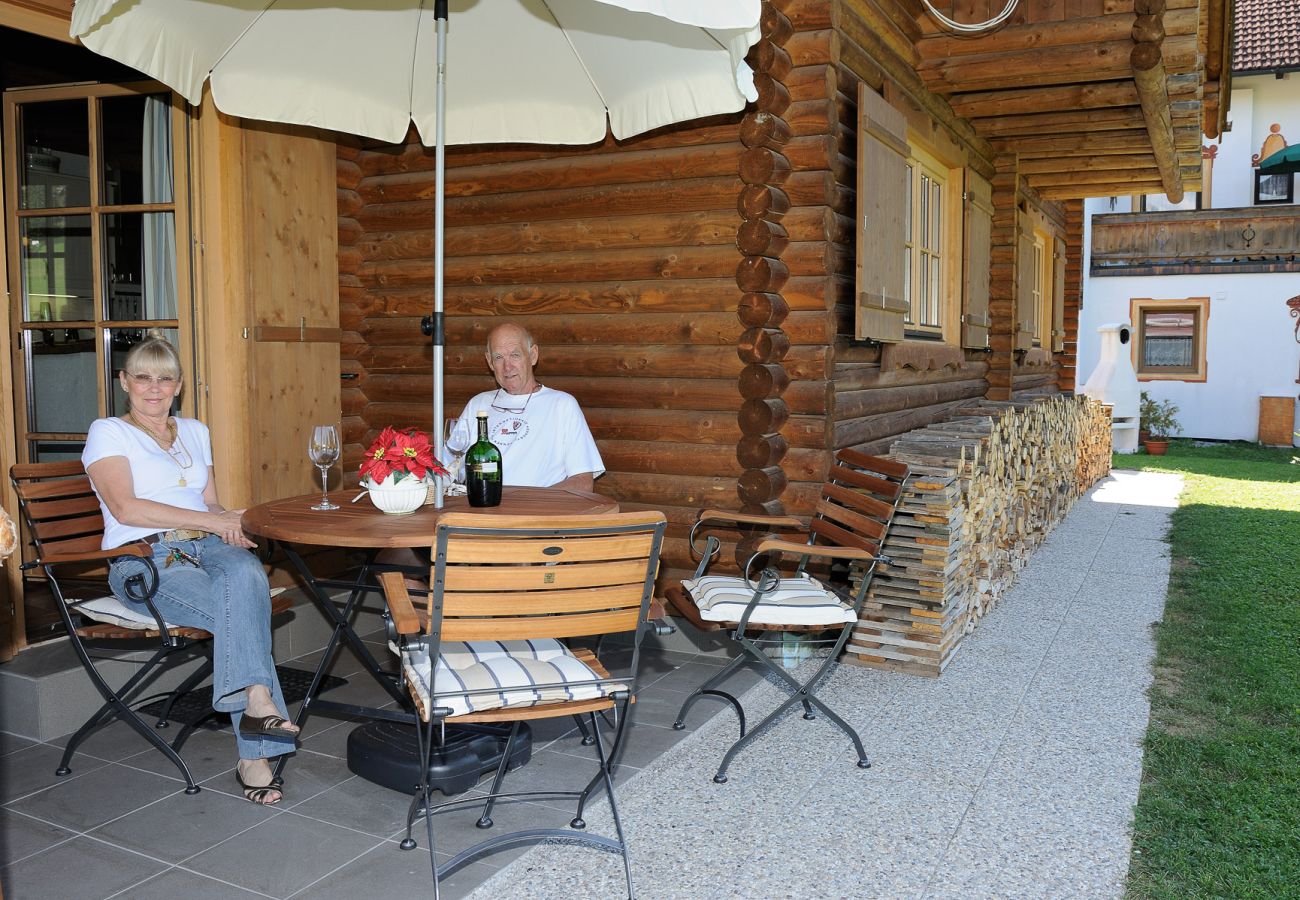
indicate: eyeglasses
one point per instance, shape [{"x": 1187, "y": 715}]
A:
[
  {"x": 144, "y": 379},
  {"x": 507, "y": 409}
]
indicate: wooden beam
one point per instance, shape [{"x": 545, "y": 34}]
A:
[
  {"x": 999, "y": 105},
  {"x": 1147, "y": 61},
  {"x": 946, "y": 48}
]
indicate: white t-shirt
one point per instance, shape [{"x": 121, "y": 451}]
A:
[
  {"x": 155, "y": 473},
  {"x": 544, "y": 443}
]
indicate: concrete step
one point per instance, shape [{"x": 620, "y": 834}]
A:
[{"x": 45, "y": 693}]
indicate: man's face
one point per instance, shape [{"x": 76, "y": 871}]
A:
[{"x": 512, "y": 363}]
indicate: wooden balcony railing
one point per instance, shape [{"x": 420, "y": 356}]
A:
[{"x": 1247, "y": 239}]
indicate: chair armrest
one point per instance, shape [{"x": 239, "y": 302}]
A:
[
  {"x": 830, "y": 552},
  {"x": 727, "y": 515},
  {"x": 405, "y": 620},
  {"x": 140, "y": 549}
]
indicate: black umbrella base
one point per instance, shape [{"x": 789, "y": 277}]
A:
[{"x": 387, "y": 754}]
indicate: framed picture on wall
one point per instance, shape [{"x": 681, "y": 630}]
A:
[{"x": 1274, "y": 188}]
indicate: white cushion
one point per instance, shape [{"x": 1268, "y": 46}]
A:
[
  {"x": 482, "y": 675},
  {"x": 793, "y": 601},
  {"x": 114, "y": 612}
]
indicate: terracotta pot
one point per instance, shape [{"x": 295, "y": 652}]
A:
[{"x": 1156, "y": 446}]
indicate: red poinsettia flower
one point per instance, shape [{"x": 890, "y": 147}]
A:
[{"x": 407, "y": 453}]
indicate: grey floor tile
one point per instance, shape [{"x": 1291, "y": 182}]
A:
[
  {"x": 282, "y": 855},
  {"x": 180, "y": 826},
  {"x": 21, "y": 836},
  {"x": 642, "y": 744},
  {"x": 207, "y": 753},
  {"x": 31, "y": 769},
  {"x": 98, "y": 796},
  {"x": 180, "y": 882},
  {"x": 116, "y": 741},
  {"x": 404, "y": 874},
  {"x": 93, "y": 871},
  {"x": 360, "y": 804},
  {"x": 10, "y": 743}
]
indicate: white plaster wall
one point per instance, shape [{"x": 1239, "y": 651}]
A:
[{"x": 1250, "y": 348}]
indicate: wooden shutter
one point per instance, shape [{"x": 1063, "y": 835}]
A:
[
  {"x": 977, "y": 253},
  {"x": 882, "y": 196},
  {"x": 1024, "y": 282},
  {"x": 1058, "y": 297}
]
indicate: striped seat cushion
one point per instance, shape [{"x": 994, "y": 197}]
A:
[
  {"x": 794, "y": 601},
  {"x": 113, "y": 611},
  {"x": 483, "y": 675}
]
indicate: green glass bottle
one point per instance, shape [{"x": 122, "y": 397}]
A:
[{"x": 483, "y": 469}]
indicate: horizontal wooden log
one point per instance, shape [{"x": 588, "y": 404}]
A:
[
  {"x": 762, "y": 310},
  {"x": 757, "y": 451},
  {"x": 769, "y": 57},
  {"x": 705, "y": 228},
  {"x": 717, "y": 429},
  {"x": 762, "y": 416},
  {"x": 679, "y": 490},
  {"x": 759, "y": 381},
  {"x": 682, "y": 195},
  {"x": 641, "y": 263},
  {"x": 594, "y": 362},
  {"x": 761, "y": 274},
  {"x": 759, "y": 165},
  {"x": 886, "y": 400},
  {"x": 668, "y": 458},
  {"x": 764, "y": 129},
  {"x": 573, "y": 298},
  {"x": 763, "y": 345},
  {"x": 761, "y": 485},
  {"x": 762, "y": 201},
  {"x": 719, "y": 329},
  {"x": 759, "y": 237},
  {"x": 859, "y": 431},
  {"x": 937, "y": 49}
]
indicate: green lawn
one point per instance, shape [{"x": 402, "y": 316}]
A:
[{"x": 1219, "y": 810}]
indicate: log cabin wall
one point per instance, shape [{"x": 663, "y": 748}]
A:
[
  {"x": 693, "y": 288},
  {"x": 620, "y": 259}
]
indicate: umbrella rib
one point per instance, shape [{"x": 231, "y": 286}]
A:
[
  {"x": 578, "y": 57},
  {"x": 247, "y": 29},
  {"x": 410, "y": 82}
]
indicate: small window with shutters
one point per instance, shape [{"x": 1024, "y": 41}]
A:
[{"x": 910, "y": 233}]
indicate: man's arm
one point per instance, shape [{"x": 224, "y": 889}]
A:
[{"x": 584, "y": 482}]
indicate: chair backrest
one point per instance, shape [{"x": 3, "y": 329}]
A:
[
  {"x": 60, "y": 508},
  {"x": 858, "y": 501},
  {"x": 516, "y": 577}
]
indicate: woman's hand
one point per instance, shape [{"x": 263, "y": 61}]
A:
[{"x": 230, "y": 530}]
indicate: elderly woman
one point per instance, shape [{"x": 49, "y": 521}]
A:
[{"x": 153, "y": 475}]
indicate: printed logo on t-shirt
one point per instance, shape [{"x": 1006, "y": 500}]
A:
[{"x": 508, "y": 430}]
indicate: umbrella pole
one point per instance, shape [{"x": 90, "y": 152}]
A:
[{"x": 440, "y": 196}]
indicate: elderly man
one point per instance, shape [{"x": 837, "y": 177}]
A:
[{"x": 541, "y": 433}]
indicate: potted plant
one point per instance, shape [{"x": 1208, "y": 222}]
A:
[
  {"x": 397, "y": 470},
  {"x": 1161, "y": 421},
  {"x": 1146, "y": 408}
]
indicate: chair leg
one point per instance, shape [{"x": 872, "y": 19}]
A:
[
  {"x": 707, "y": 690},
  {"x": 587, "y": 738},
  {"x": 194, "y": 679},
  {"x": 607, "y": 766},
  {"x": 485, "y": 820},
  {"x": 424, "y": 749},
  {"x": 115, "y": 705}
]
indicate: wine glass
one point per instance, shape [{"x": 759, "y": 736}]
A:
[
  {"x": 456, "y": 440},
  {"x": 323, "y": 450}
]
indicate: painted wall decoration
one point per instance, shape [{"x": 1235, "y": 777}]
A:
[{"x": 1272, "y": 188}]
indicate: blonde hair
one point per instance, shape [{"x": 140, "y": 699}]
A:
[{"x": 154, "y": 355}]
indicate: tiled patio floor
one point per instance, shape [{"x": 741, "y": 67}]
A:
[{"x": 121, "y": 826}]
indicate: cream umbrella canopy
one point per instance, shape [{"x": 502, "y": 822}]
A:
[{"x": 464, "y": 71}]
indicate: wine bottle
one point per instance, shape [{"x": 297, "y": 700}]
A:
[{"x": 483, "y": 468}]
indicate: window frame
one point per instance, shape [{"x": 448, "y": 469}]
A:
[
  {"x": 923, "y": 163},
  {"x": 1200, "y": 308},
  {"x": 1290, "y": 189}
]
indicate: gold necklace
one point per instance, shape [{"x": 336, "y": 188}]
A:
[{"x": 181, "y": 458}]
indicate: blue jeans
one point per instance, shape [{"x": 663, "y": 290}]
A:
[{"x": 226, "y": 594}]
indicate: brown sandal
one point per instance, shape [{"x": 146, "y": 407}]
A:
[{"x": 257, "y": 793}]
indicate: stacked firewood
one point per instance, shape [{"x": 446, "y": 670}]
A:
[{"x": 986, "y": 487}]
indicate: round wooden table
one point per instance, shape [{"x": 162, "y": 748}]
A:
[
  {"x": 360, "y": 525},
  {"x": 363, "y": 526}
]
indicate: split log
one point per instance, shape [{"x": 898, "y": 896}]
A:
[{"x": 986, "y": 488}]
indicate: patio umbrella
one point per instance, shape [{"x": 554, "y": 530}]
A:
[
  {"x": 517, "y": 71},
  {"x": 1284, "y": 162}
]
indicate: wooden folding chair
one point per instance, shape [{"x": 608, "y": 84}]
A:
[
  {"x": 848, "y": 526},
  {"x": 505, "y": 593},
  {"x": 66, "y": 528}
]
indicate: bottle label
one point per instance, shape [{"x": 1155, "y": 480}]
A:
[{"x": 486, "y": 468}]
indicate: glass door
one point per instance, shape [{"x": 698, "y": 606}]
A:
[{"x": 95, "y": 217}]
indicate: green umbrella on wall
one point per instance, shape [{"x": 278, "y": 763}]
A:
[{"x": 1284, "y": 162}]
